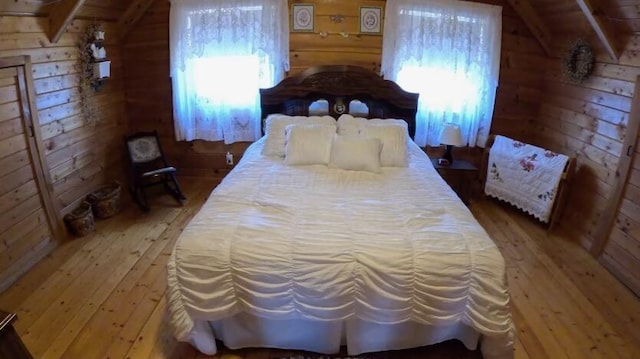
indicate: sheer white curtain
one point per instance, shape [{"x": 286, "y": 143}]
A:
[
  {"x": 222, "y": 52},
  {"x": 449, "y": 52}
]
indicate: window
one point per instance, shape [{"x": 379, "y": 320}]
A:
[
  {"x": 222, "y": 53},
  {"x": 449, "y": 52}
]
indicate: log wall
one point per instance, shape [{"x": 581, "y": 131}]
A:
[
  {"x": 80, "y": 156},
  {"x": 533, "y": 104},
  {"x": 589, "y": 121},
  {"x": 149, "y": 103}
]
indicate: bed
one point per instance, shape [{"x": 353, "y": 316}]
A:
[{"x": 312, "y": 256}]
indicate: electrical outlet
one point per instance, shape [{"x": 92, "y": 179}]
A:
[{"x": 229, "y": 158}]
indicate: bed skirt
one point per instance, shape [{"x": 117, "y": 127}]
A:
[{"x": 246, "y": 331}]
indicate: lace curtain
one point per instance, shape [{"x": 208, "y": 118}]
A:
[
  {"x": 449, "y": 52},
  {"x": 222, "y": 52}
]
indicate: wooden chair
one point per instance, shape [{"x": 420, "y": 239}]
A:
[{"x": 149, "y": 167}]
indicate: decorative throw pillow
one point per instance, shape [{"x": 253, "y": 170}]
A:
[
  {"x": 355, "y": 153},
  {"x": 394, "y": 143},
  {"x": 276, "y": 124},
  {"x": 308, "y": 144}
]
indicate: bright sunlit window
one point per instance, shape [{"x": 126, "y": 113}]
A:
[
  {"x": 226, "y": 80},
  {"x": 449, "y": 52},
  {"x": 222, "y": 53},
  {"x": 444, "y": 90}
]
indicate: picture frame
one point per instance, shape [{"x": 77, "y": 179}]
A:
[
  {"x": 370, "y": 19},
  {"x": 302, "y": 18}
]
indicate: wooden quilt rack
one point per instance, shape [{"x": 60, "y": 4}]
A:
[{"x": 561, "y": 197}]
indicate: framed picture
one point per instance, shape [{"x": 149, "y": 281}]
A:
[
  {"x": 370, "y": 19},
  {"x": 302, "y": 17}
]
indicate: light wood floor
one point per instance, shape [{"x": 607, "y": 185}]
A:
[{"x": 102, "y": 296}]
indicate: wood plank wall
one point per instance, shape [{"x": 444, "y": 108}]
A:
[
  {"x": 25, "y": 235},
  {"x": 589, "y": 121},
  {"x": 146, "y": 59},
  {"x": 81, "y": 157},
  {"x": 335, "y": 42}
]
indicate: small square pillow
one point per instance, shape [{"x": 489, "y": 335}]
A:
[
  {"x": 349, "y": 125},
  {"x": 355, "y": 153},
  {"x": 308, "y": 144},
  {"x": 394, "y": 143},
  {"x": 275, "y": 125}
]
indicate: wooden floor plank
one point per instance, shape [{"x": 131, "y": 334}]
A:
[
  {"x": 81, "y": 299},
  {"x": 103, "y": 295},
  {"x": 568, "y": 306},
  {"x": 594, "y": 289}
]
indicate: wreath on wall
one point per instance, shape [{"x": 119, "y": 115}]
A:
[{"x": 578, "y": 61}]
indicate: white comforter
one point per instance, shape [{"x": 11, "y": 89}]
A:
[{"x": 309, "y": 242}]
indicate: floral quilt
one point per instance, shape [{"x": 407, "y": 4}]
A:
[{"x": 524, "y": 175}]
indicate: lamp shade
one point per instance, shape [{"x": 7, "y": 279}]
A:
[{"x": 451, "y": 135}]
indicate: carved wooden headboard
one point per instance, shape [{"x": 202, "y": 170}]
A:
[{"x": 339, "y": 85}]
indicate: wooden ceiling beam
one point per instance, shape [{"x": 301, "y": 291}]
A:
[
  {"x": 533, "y": 22},
  {"x": 61, "y": 16},
  {"x": 599, "y": 26},
  {"x": 131, "y": 16}
]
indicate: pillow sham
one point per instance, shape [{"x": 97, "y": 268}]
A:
[
  {"x": 276, "y": 124},
  {"x": 355, "y": 153},
  {"x": 308, "y": 144},
  {"x": 351, "y": 126},
  {"x": 394, "y": 143}
]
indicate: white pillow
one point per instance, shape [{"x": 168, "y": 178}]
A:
[
  {"x": 355, "y": 153},
  {"x": 394, "y": 143},
  {"x": 308, "y": 144},
  {"x": 351, "y": 126},
  {"x": 275, "y": 125}
]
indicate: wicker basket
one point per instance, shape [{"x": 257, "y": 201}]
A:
[
  {"x": 80, "y": 220},
  {"x": 105, "y": 201}
]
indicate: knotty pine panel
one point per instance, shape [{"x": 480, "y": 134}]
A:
[
  {"x": 19, "y": 191},
  {"x": 56, "y": 73},
  {"x": 590, "y": 121}
]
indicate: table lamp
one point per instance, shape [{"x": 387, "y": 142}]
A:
[{"x": 450, "y": 136}]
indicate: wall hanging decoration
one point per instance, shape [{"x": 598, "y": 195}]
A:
[
  {"x": 370, "y": 19},
  {"x": 302, "y": 17},
  {"x": 94, "y": 66},
  {"x": 577, "y": 63}
]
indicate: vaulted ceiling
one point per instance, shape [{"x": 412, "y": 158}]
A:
[
  {"x": 62, "y": 12},
  {"x": 607, "y": 24}
]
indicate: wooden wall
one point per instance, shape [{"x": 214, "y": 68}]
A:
[
  {"x": 148, "y": 86},
  {"x": 335, "y": 42},
  {"x": 589, "y": 121},
  {"x": 80, "y": 156}
]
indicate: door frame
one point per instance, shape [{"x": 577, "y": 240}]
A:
[{"x": 35, "y": 147}]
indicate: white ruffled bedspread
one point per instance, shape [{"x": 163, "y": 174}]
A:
[
  {"x": 524, "y": 175},
  {"x": 309, "y": 242}
]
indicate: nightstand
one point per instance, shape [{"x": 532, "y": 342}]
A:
[{"x": 461, "y": 175}]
